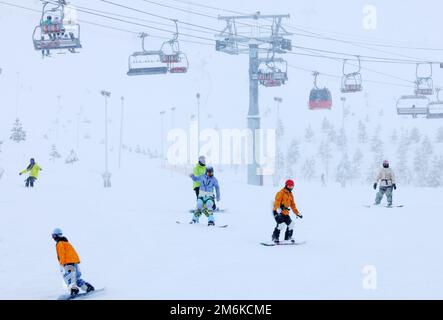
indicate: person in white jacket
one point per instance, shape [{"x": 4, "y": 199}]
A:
[{"x": 386, "y": 177}]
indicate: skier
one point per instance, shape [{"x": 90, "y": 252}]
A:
[
  {"x": 199, "y": 170},
  {"x": 34, "y": 169},
  {"x": 284, "y": 201},
  {"x": 387, "y": 178},
  {"x": 205, "y": 200},
  {"x": 69, "y": 260}
]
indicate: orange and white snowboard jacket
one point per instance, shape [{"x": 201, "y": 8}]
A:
[
  {"x": 285, "y": 201},
  {"x": 66, "y": 253}
]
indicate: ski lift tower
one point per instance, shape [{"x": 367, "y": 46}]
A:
[{"x": 265, "y": 33}]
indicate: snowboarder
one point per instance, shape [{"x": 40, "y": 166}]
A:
[
  {"x": 284, "y": 202},
  {"x": 199, "y": 170},
  {"x": 69, "y": 262},
  {"x": 34, "y": 169},
  {"x": 205, "y": 200},
  {"x": 386, "y": 177}
]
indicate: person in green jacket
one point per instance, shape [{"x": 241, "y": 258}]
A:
[
  {"x": 33, "y": 169},
  {"x": 199, "y": 169}
]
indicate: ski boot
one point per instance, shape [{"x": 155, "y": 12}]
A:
[
  {"x": 196, "y": 217},
  {"x": 88, "y": 287},
  {"x": 74, "y": 292},
  {"x": 276, "y": 235},
  {"x": 288, "y": 235},
  {"x": 211, "y": 221}
]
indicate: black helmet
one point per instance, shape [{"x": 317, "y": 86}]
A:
[
  {"x": 210, "y": 171},
  {"x": 386, "y": 164}
]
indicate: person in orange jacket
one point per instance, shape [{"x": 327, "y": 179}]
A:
[
  {"x": 69, "y": 262},
  {"x": 284, "y": 202}
]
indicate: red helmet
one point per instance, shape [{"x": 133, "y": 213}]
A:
[{"x": 289, "y": 184}]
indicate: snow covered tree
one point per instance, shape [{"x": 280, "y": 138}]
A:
[
  {"x": 1, "y": 143},
  {"x": 72, "y": 158},
  {"x": 394, "y": 136},
  {"x": 292, "y": 157},
  {"x": 415, "y": 135},
  {"x": 435, "y": 178},
  {"x": 357, "y": 161},
  {"x": 326, "y": 126},
  {"x": 309, "y": 134},
  {"x": 362, "y": 133},
  {"x": 344, "y": 170},
  {"x": 308, "y": 170},
  {"x": 325, "y": 154},
  {"x": 402, "y": 172},
  {"x": 279, "y": 169},
  {"x": 137, "y": 149},
  {"x": 439, "y": 135},
  {"x": 342, "y": 140},
  {"x": 54, "y": 155},
  {"x": 422, "y": 162},
  {"x": 17, "y": 132}
]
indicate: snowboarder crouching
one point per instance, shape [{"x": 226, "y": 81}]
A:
[
  {"x": 69, "y": 262},
  {"x": 205, "y": 200},
  {"x": 284, "y": 202}
]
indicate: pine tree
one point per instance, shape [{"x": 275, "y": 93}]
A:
[
  {"x": 403, "y": 174},
  {"x": 309, "y": 134},
  {"x": 415, "y": 135},
  {"x": 357, "y": 161},
  {"x": 292, "y": 157},
  {"x": 342, "y": 140},
  {"x": 308, "y": 169},
  {"x": 362, "y": 133},
  {"x": 17, "y": 132},
  {"x": 344, "y": 171},
  {"x": 325, "y": 154},
  {"x": 54, "y": 155},
  {"x": 440, "y": 135},
  {"x": 435, "y": 178},
  {"x": 326, "y": 126},
  {"x": 422, "y": 162},
  {"x": 280, "y": 159},
  {"x": 72, "y": 158}
]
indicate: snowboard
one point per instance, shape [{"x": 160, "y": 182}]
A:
[
  {"x": 215, "y": 211},
  {"x": 385, "y": 206},
  {"x": 201, "y": 224},
  {"x": 80, "y": 295},
  {"x": 282, "y": 243}
]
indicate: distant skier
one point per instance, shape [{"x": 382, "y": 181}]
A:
[
  {"x": 386, "y": 177},
  {"x": 199, "y": 170},
  {"x": 69, "y": 262},
  {"x": 206, "y": 198},
  {"x": 33, "y": 169},
  {"x": 284, "y": 202}
]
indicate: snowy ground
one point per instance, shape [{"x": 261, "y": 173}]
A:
[{"x": 128, "y": 240}]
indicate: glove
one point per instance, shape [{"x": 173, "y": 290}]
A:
[
  {"x": 20, "y": 174},
  {"x": 395, "y": 186},
  {"x": 275, "y": 214},
  {"x": 375, "y": 185},
  {"x": 300, "y": 216}
]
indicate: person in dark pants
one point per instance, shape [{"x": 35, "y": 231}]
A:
[
  {"x": 284, "y": 202},
  {"x": 33, "y": 169}
]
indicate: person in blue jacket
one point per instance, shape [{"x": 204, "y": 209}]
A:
[{"x": 206, "y": 198}]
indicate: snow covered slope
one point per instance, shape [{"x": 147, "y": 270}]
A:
[{"x": 128, "y": 240}]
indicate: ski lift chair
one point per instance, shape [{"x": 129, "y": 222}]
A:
[{"x": 412, "y": 105}]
